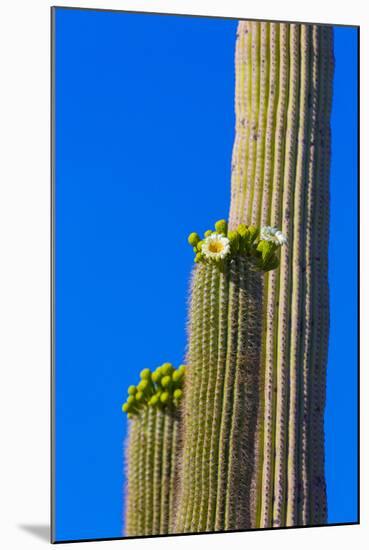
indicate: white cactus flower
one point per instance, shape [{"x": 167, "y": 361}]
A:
[
  {"x": 216, "y": 247},
  {"x": 272, "y": 234}
]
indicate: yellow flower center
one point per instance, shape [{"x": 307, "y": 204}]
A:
[{"x": 215, "y": 246}]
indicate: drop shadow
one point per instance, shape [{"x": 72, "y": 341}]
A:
[{"x": 40, "y": 531}]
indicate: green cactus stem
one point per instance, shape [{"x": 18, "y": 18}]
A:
[
  {"x": 152, "y": 450},
  {"x": 222, "y": 381},
  {"x": 280, "y": 176}
]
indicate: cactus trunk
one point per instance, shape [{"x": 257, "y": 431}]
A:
[{"x": 280, "y": 176}]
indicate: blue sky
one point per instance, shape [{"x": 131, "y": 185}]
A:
[{"x": 144, "y": 134}]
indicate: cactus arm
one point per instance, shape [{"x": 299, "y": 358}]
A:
[
  {"x": 245, "y": 398},
  {"x": 222, "y": 389},
  {"x": 152, "y": 450}
]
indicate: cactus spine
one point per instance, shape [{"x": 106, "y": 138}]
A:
[
  {"x": 152, "y": 449},
  {"x": 280, "y": 175}
]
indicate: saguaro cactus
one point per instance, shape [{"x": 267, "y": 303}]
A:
[
  {"x": 152, "y": 450},
  {"x": 253, "y": 415},
  {"x": 255, "y": 392},
  {"x": 221, "y": 389},
  {"x": 281, "y": 177}
]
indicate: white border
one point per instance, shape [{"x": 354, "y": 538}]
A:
[{"x": 24, "y": 263}]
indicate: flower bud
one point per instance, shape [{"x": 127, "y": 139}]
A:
[
  {"x": 164, "y": 398},
  {"x": 242, "y": 230},
  {"x": 145, "y": 374},
  {"x": 221, "y": 227},
  {"x": 166, "y": 369},
  {"x": 193, "y": 239},
  {"x": 165, "y": 381},
  {"x": 177, "y": 394}
]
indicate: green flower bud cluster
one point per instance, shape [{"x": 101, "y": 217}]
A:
[
  {"x": 243, "y": 241},
  {"x": 160, "y": 388}
]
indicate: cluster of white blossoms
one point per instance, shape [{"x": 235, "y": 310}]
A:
[
  {"x": 221, "y": 245},
  {"x": 272, "y": 234},
  {"x": 216, "y": 247}
]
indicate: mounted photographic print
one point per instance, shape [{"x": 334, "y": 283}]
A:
[{"x": 205, "y": 268}]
